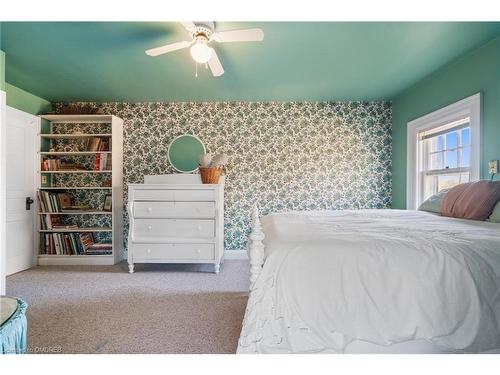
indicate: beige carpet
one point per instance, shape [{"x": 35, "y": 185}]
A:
[{"x": 158, "y": 309}]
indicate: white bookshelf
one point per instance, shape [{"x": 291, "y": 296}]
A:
[{"x": 47, "y": 149}]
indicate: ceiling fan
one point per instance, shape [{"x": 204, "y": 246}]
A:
[{"x": 203, "y": 33}]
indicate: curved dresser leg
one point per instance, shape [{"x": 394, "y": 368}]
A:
[
  {"x": 131, "y": 268},
  {"x": 216, "y": 267}
]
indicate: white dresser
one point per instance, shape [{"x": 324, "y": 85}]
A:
[{"x": 176, "y": 219}]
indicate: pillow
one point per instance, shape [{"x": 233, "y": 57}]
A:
[
  {"x": 472, "y": 200},
  {"x": 495, "y": 215},
  {"x": 433, "y": 204}
]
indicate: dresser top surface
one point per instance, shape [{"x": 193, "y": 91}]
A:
[
  {"x": 178, "y": 180},
  {"x": 175, "y": 186}
]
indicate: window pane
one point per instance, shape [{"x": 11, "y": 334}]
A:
[
  {"x": 430, "y": 186},
  {"x": 440, "y": 143},
  {"x": 435, "y": 161},
  {"x": 450, "y": 180},
  {"x": 447, "y": 181},
  {"x": 451, "y": 159},
  {"x": 451, "y": 140},
  {"x": 465, "y": 157},
  {"x": 465, "y": 136},
  {"x": 436, "y": 183}
]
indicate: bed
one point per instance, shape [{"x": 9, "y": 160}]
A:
[{"x": 372, "y": 281}]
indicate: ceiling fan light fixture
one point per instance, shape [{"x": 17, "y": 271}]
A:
[{"x": 201, "y": 52}]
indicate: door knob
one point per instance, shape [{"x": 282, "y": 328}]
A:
[
  {"x": 150, "y": 209},
  {"x": 29, "y": 202}
]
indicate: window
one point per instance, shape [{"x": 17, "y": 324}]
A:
[
  {"x": 446, "y": 157},
  {"x": 443, "y": 150}
]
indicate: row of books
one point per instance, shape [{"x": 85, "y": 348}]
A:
[
  {"x": 53, "y": 202},
  {"x": 54, "y": 222},
  {"x": 100, "y": 248},
  {"x": 102, "y": 162},
  {"x": 98, "y": 144},
  {"x": 60, "y": 165},
  {"x": 72, "y": 244}
]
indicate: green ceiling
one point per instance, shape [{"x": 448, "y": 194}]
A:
[{"x": 105, "y": 61}]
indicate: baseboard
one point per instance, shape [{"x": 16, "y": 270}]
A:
[{"x": 235, "y": 254}]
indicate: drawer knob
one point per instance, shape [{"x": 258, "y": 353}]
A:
[
  {"x": 150, "y": 227},
  {"x": 148, "y": 251},
  {"x": 199, "y": 228},
  {"x": 198, "y": 251},
  {"x": 150, "y": 209}
]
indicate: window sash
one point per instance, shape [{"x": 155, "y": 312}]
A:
[
  {"x": 430, "y": 143},
  {"x": 440, "y": 130},
  {"x": 434, "y": 172}
]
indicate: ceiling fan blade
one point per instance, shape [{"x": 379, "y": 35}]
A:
[
  {"x": 167, "y": 48},
  {"x": 244, "y": 35},
  {"x": 215, "y": 65},
  {"x": 189, "y": 26}
]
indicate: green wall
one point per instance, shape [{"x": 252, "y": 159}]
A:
[
  {"x": 2, "y": 70},
  {"x": 25, "y": 101},
  {"x": 477, "y": 71},
  {"x": 18, "y": 98},
  {"x": 2, "y": 63}
]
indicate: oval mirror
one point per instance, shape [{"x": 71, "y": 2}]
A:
[{"x": 184, "y": 151}]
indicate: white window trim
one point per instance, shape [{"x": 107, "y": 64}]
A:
[{"x": 468, "y": 107}]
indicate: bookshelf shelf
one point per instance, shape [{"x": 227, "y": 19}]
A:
[
  {"x": 68, "y": 136},
  {"x": 76, "y": 171},
  {"x": 90, "y": 236},
  {"x": 77, "y": 213},
  {"x": 73, "y": 256},
  {"x": 76, "y": 188},
  {"x": 63, "y": 153},
  {"x": 83, "y": 230}
]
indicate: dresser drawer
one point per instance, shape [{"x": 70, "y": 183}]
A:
[
  {"x": 174, "y": 209},
  {"x": 154, "y": 228},
  {"x": 198, "y": 195},
  {"x": 173, "y": 251}
]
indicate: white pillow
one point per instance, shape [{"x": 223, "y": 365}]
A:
[
  {"x": 495, "y": 215},
  {"x": 433, "y": 204}
]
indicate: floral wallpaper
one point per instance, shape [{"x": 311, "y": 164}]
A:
[{"x": 283, "y": 156}]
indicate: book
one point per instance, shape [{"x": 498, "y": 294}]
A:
[
  {"x": 62, "y": 226},
  {"x": 87, "y": 240},
  {"x": 97, "y": 162},
  {"x": 46, "y": 180},
  {"x": 64, "y": 200}
]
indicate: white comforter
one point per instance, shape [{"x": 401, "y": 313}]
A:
[{"x": 380, "y": 276}]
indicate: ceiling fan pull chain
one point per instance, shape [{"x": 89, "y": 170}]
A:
[{"x": 196, "y": 73}]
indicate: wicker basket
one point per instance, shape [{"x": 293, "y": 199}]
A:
[{"x": 210, "y": 175}]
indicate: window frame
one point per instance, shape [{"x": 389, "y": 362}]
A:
[{"x": 468, "y": 107}]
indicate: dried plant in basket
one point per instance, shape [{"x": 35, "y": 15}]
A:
[{"x": 211, "y": 167}]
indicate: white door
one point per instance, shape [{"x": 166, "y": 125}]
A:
[
  {"x": 2, "y": 191},
  {"x": 21, "y": 132}
]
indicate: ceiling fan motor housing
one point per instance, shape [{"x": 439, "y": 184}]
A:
[{"x": 203, "y": 29}]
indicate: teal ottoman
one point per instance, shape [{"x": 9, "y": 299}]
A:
[{"x": 13, "y": 328}]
